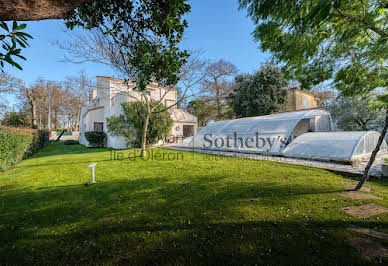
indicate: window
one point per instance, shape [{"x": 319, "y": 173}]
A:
[
  {"x": 98, "y": 126},
  {"x": 305, "y": 102},
  {"x": 188, "y": 130}
]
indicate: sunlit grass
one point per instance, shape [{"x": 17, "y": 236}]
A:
[{"x": 199, "y": 209}]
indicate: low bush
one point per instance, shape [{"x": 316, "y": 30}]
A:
[
  {"x": 70, "y": 142},
  {"x": 19, "y": 143},
  {"x": 131, "y": 123},
  {"x": 96, "y": 138}
]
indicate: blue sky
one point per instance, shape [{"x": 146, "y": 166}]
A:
[{"x": 216, "y": 26}]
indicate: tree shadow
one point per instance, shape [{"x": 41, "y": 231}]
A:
[
  {"x": 61, "y": 149},
  {"x": 155, "y": 221},
  {"x": 371, "y": 180},
  {"x": 67, "y": 163}
]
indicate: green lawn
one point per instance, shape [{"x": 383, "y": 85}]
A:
[{"x": 197, "y": 210}]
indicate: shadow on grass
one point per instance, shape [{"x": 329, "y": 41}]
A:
[
  {"x": 154, "y": 221},
  {"x": 53, "y": 149},
  {"x": 371, "y": 180},
  {"x": 67, "y": 163}
]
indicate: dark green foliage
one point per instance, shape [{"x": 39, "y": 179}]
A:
[
  {"x": 146, "y": 32},
  {"x": 344, "y": 42},
  {"x": 17, "y": 144},
  {"x": 340, "y": 41},
  {"x": 96, "y": 138},
  {"x": 43, "y": 136},
  {"x": 16, "y": 119},
  {"x": 70, "y": 142},
  {"x": 131, "y": 123},
  {"x": 355, "y": 113},
  {"x": 12, "y": 42},
  {"x": 202, "y": 109},
  {"x": 259, "y": 94}
]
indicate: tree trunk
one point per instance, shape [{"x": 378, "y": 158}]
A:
[
  {"x": 33, "y": 113},
  {"x": 218, "y": 100},
  {"x": 374, "y": 153},
  {"x": 49, "y": 118},
  {"x": 78, "y": 118},
  {"x": 145, "y": 129},
  {"x": 55, "y": 119}
]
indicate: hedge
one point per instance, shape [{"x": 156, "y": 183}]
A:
[
  {"x": 17, "y": 144},
  {"x": 96, "y": 138}
]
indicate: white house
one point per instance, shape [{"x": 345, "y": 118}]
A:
[{"x": 107, "y": 98}]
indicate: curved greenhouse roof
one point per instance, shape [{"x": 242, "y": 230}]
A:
[
  {"x": 341, "y": 146},
  {"x": 269, "y": 133}
]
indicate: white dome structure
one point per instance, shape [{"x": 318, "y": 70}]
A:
[
  {"x": 262, "y": 134},
  {"x": 300, "y": 134},
  {"x": 334, "y": 146}
]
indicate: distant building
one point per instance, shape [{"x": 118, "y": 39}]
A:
[{"x": 299, "y": 99}]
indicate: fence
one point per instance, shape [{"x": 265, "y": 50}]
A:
[{"x": 72, "y": 135}]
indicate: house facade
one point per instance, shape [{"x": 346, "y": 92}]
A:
[
  {"x": 106, "y": 102},
  {"x": 299, "y": 99}
]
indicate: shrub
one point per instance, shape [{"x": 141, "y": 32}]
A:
[
  {"x": 70, "y": 142},
  {"x": 16, "y": 119},
  {"x": 18, "y": 143},
  {"x": 131, "y": 123},
  {"x": 96, "y": 138}
]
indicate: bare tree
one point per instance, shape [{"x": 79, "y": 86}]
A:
[
  {"x": 53, "y": 92},
  {"x": 44, "y": 100},
  {"x": 8, "y": 85},
  {"x": 31, "y": 94},
  {"x": 325, "y": 94},
  {"x": 217, "y": 84},
  {"x": 39, "y": 92},
  {"x": 79, "y": 89},
  {"x": 71, "y": 109}
]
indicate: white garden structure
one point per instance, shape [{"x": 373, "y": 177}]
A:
[
  {"x": 335, "y": 146},
  {"x": 304, "y": 134},
  {"x": 269, "y": 133}
]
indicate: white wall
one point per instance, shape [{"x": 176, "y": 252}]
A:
[
  {"x": 95, "y": 116},
  {"x": 322, "y": 123},
  {"x": 88, "y": 117},
  {"x": 121, "y": 90}
]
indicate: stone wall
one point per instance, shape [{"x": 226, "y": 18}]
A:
[{"x": 299, "y": 100}]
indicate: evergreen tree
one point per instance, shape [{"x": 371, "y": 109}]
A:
[{"x": 259, "y": 94}]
